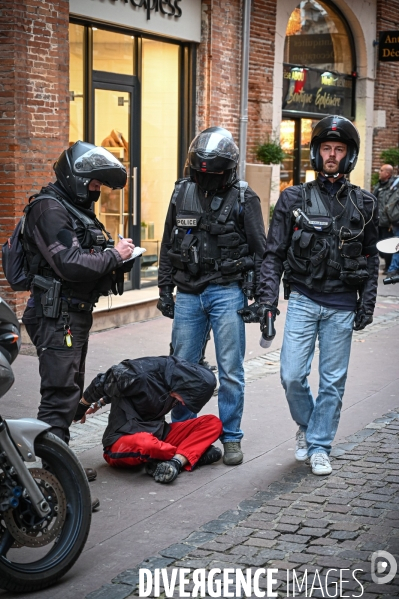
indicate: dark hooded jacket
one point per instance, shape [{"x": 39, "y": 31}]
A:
[{"x": 138, "y": 391}]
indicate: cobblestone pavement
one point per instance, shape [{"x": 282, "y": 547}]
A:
[
  {"x": 254, "y": 369},
  {"x": 303, "y": 523}
]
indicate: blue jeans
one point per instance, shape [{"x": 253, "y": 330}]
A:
[
  {"x": 306, "y": 321},
  {"x": 215, "y": 307},
  {"x": 395, "y": 258}
]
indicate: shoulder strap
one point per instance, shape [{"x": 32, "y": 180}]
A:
[
  {"x": 187, "y": 197},
  {"x": 313, "y": 201},
  {"x": 359, "y": 198},
  {"x": 243, "y": 188},
  {"x": 178, "y": 185},
  {"x": 229, "y": 202},
  {"x": 83, "y": 218}
]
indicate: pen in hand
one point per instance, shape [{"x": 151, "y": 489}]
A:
[{"x": 125, "y": 247}]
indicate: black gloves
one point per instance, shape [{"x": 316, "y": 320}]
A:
[
  {"x": 118, "y": 281},
  {"x": 267, "y": 315},
  {"x": 80, "y": 412},
  {"x": 362, "y": 319},
  {"x": 166, "y": 302},
  {"x": 250, "y": 313}
]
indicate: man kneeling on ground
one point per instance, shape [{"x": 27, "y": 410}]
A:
[{"x": 141, "y": 392}]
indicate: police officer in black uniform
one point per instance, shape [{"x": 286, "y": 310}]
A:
[
  {"x": 71, "y": 261},
  {"x": 323, "y": 237},
  {"x": 212, "y": 251}
]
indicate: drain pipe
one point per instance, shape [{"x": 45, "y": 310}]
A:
[{"x": 246, "y": 25}]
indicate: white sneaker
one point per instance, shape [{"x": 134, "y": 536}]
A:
[
  {"x": 301, "y": 450},
  {"x": 320, "y": 463}
]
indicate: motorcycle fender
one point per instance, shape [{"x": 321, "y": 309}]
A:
[{"x": 24, "y": 432}]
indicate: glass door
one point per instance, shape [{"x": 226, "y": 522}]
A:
[
  {"x": 113, "y": 129},
  {"x": 295, "y": 136},
  {"x": 288, "y": 140}
]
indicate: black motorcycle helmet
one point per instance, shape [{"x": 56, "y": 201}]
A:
[
  {"x": 10, "y": 343},
  {"x": 81, "y": 163},
  {"x": 335, "y": 128},
  {"x": 212, "y": 152}
]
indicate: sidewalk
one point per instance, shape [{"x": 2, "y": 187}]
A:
[
  {"x": 139, "y": 518},
  {"x": 308, "y": 528}
]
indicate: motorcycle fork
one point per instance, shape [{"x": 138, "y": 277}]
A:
[{"x": 26, "y": 480}]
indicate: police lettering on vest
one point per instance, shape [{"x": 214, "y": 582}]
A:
[{"x": 208, "y": 245}]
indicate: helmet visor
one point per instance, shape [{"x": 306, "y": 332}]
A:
[
  {"x": 98, "y": 163},
  {"x": 214, "y": 143}
]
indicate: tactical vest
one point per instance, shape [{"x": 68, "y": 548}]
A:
[
  {"x": 92, "y": 237},
  {"x": 326, "y": 251},
  {"x": 208, "y": 245}
]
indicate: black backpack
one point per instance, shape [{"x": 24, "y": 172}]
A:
[
  {"x": 15, "y": 264},
  {"x": 14, "y": 260}
]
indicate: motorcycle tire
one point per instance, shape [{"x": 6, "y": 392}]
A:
[{"x": 61, "y": 464}]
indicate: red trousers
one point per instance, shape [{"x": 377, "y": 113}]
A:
[{"x": 190, "y": 438}]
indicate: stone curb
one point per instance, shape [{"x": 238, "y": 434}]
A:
[{"x": 126, "y": 583}]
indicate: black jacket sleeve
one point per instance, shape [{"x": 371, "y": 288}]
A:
[
  {"x": 117, "y": 382},
  {"x": 165, "y": 267},
  {"x": 368, "y": 294},
  {"x": 277, "y": 244},
  {"x": 255, "y": 231},
  {"x": 63, "y": 252}
]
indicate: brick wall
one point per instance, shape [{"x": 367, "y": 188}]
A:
[
  {"x": 34, "y": 109},
  {"x": 219, "y": 68},
  {"x": 261, "y": 64},
  {"x": 386, "y": 85}
]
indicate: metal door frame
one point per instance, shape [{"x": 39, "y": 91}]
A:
[{"x": 129, "y": 84}]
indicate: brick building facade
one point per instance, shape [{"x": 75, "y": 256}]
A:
[
  {"x": 34, "y": 100},
  {"x": 219, "y": 69},
  {"x": 386, "y": 86},
  {"x": 34, "y": 106}
]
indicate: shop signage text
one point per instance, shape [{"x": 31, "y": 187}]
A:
[
  {"x": 388, "y": 48},
  {"x": 310, "y": 49},
  {"x": 170, "y": 8},
  {"x": 310, "y": 90}
]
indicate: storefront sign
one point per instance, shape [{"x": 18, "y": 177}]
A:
[
  {"x": 171, "y": 8},
  {"x": 180, "y": 19},
  {"x": 310, "y": 49},
  {"x": 310, "y": 90},
  {"x": 388, "y": 49}
]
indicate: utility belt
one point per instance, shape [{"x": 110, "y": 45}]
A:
[{"x": 50, "y": 299}]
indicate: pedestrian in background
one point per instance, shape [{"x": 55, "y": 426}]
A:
[
  {"x": 383, "y": 192},
  {"x": 392, "y": 212}
]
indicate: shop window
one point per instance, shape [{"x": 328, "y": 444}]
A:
[
  {"x": 318, "y": 80},
  {"x": 159, "y": 145},
  {"x": 319, "y": 62},
  {"x": 317, "y": 37},
  {"x": 113, "y": 52},
  {"x": 76, "y": 83}
]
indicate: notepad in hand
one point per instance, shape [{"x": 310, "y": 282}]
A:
[{"x": 138, "y": 251}]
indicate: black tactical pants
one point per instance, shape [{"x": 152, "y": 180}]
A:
[{"x": 61, "y": 368}]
